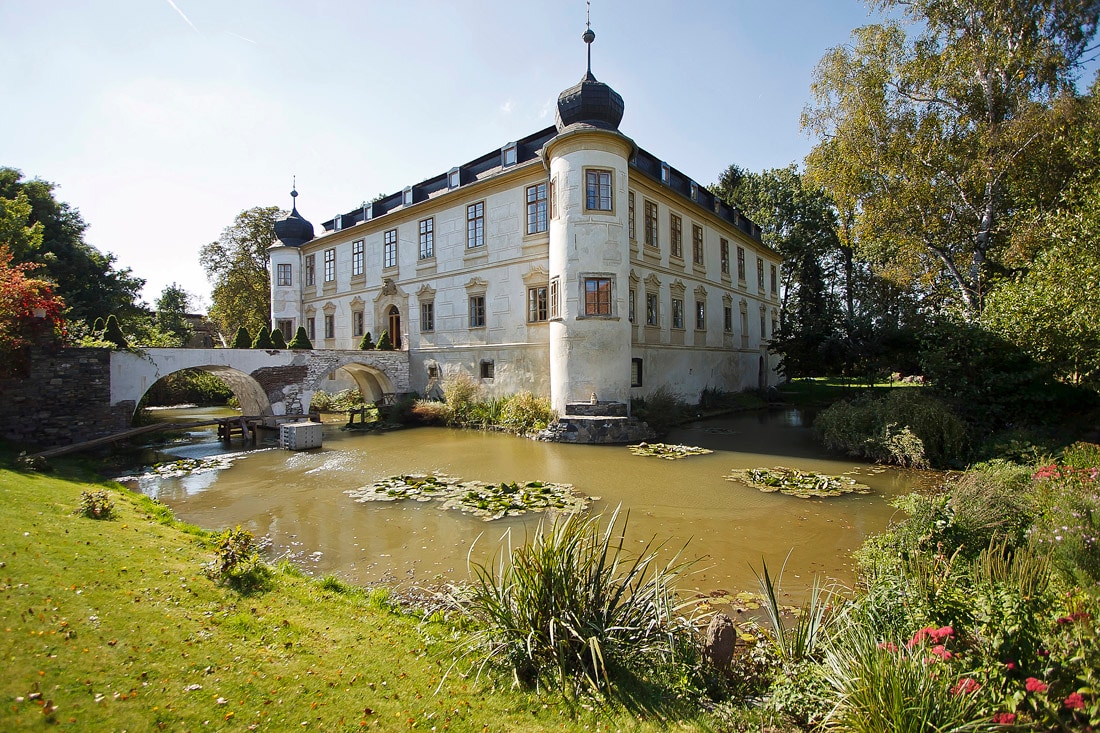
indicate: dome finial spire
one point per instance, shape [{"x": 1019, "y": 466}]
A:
[{"x": 588, "y": 36}]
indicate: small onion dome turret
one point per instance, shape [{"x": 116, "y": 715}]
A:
[
  {"x": 589, "y": 102},
  {"x": 293, "y": 230}
]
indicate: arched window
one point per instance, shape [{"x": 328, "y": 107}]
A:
[{"x": 395, "y": 326}]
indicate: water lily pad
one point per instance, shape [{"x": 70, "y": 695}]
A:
[
  {"x": 667, "y": 451},
  {"x": 803, "y": 484}
]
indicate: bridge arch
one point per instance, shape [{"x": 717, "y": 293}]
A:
[{"x": 249, "y": 392}]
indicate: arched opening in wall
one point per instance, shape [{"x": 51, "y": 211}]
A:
[
  {"x": 201, "y": 393},
  {"x": 393, "y": 320},
  {"x": 350, "y": 386}
]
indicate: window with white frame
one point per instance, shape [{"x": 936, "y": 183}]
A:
[
  {"x": 700, "y": 315},
  {"x": 774, "y": 280},
  {"x": 311, "y": 270},
  {"x": 676, "y": 236},
  {"x": 389, "y": 248},
  {"x": 509, "y": 155},
  {"x": 677, "y": 313},
  {"x": 427, "y": 316},
  {"x": 630, "y": 305},
  {"x": 357, "y": 258},
  {"x": 283, "y": 274},
  {"x": 651, "y": 224},
  {"x": 652, "y": 312},
  {"x": 330, "y": 265},
  {"x": 538, "y": 306},
  {"x": 555, "y": 308},
  {"x": 760, "y": 274},
  {"x": 724, "y": 254},
  {"x": 475, "y": 225},
  {"x": 597, "y": 190},
  {"x": 697, "y": 244},
  {"x": 427, "y": 238},
  {"x": 357, "y": 323},
  {"x": 311, "y": 328},
  {"x": 536, "y": 208},
  {"x": 477, "y": 311},
  {"x": 597, "y": 296},
  {"x": 727, "y": 318},
  {"x": 741, "y": 264},
  {"x": 330, "y": 326},
  {"x": 630, "y": 216}
]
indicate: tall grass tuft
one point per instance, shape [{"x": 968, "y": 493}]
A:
[
  {"x": 811, "y": 624},
  {"x": 572, "y": 610}
]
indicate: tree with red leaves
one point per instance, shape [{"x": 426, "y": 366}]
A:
[{"x": 28, "y": 306}]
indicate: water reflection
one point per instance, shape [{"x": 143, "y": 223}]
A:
[{"x": 297, "y": 500}]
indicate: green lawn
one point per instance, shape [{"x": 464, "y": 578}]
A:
[{"x": 112, "y": 625}]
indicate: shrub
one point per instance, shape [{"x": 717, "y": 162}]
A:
[
  {"x": 662, "y": 409},
  {"x": 904, "y": 426},
  {"x": 243, "y": 340},
  {"x": 1068, "y": 521},
  {"x": 366, "y": 343},
  {"x": 236, "y": 563},
  {"x": 385, "y": 343},
  {"x": 263, "y": 339},
  {"x": 431, "y": 412},
  {"x": 571, "y": 610},
  {"x": 342, "y": 401},
  {"x": 525, "y": 413},
  {"x": 113, "y": 332},
  {"x": 300, "y": 340},
  {"x": 278, "y": 341},
  {"x": 462, "y": 393},
  {"x": 96, "y": 504}
]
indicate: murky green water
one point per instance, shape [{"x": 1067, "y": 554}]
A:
[{"x": 298, "y": 500}]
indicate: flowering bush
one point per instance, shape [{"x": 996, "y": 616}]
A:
[{"x": 1068, "y": 526}]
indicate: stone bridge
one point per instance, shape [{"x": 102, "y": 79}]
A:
[{"x": 266, "y": 382}]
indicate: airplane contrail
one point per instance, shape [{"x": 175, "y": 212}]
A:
[{"x": 188, "y": 20}]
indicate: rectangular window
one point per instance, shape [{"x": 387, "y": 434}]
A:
[
  {"x": 537, "y": 305},
  {"x": 597, "y": 190},
  {"x": 427, "y": 317},
  {"x": 651, "y": 313},
  {"x": 630, "y": 305},
  {"x": 477, "y": 311},
  {"x": 330, "y": 265},
  {"x": 475, "y": 225},
  {"x": 630, "y": 216},
  {"x": 389, "y": 248},
  {"x": 763, "y": 333},
  {"x": 427, "y": 238},
  {"x": 553, "y": 198},
  {"x": 744, "y": 328},
  {"x": 651, "y": 224},
  {"x": 283, "y": 275},
  {"x": 357, "y": 258},
  {"x": 635, "y": 372},
  {"x": 311, "y": 329},
  {"x": 760, "y": 274},
  {"x": 488, "y": 369},
  {"x": 775, "y": 279},
  {"x": 700, "y": 315},
  {"x": 330, "y": 326},
  {"x": 676, "y": 236},
  {"x": 727, "y": 319},
  {"x": 697, "y": 244},
  {"x": 677, "y": 313},
  {"x": 536, "y": 208},
  {"x": 741, "y": 264},
  {"x": 597, "y": 296},
  {"x": 554, "y": 308},
  {"x": 724, "y": 254},
  {"x": 287, "y": 327},
  {"x": 311, "y": 270},
  {"x": 357, "y": 323}
]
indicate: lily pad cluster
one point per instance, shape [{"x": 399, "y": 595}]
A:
[
  {"x": 803, "y": 484},
  {"x": 667, "y": 451},
  {"x": 487, "y": 500}
]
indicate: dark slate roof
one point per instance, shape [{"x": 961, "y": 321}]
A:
[
  {"x": 592, "y": 102},
  {"x": 293, "y": 229}
]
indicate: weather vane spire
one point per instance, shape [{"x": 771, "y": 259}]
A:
[{"x": 588, "y": 36}]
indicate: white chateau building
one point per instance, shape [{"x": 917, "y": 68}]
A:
[{"x": 569, "y": 263}]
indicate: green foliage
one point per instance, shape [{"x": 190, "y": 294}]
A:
[
  {"x": 462, "y": 394},
  {"x": 662, "y": 409},
  {"x": 573, "y": 610},
  {"x": 189, "y": 386},
  {"x": 278, "y": 341},
  {"x": 905, "y": 426},
  {"x": 237, "y": 266},
  {"x": 113, "y": 332},
  {"x": 172, "y": 306},
  {"x": 366, "y": 343},
  {"x": 96, "y": 504},
  {"x": 342, "y": 401},
  {"x": 98, "y": 326},
  {"x": 237, "y": 564},
  {"x": 263, "y": 339},
  {"x": 243, "y": 339},
  {"x": 432, "y": 412},
  {"x": 1068, "y": 522},
  {"x": 384, "y": 342},
  {"x": 524, "y": 413},
  {"x": 300, "y": 340},
  {"x": 811, "y": 626}
]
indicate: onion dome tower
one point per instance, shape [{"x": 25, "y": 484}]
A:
[
  {"x": 589, "y": 254},
  {"x": 293, "y": 230},
  {"x": 285, "y": 258}
]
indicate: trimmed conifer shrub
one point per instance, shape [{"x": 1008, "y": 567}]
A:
[
  {"x": 384, "y": 342},
  {"x": 300, "y": 340},
  {"x": 263, "y": 339},
  {"x": 243, "y": 340},
  {"x": 277, "y": 339},
  {"x": 367, "y": 344},
  {"x": 97, "y": 327},
  {"x": 113, "y": 332}
]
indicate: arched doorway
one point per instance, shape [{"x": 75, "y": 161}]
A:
[{"x": 394, "y": 320}]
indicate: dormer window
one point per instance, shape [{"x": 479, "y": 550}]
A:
[
  {"x": 666, "y": 173},
  {"x": 407, "y": 196},
  {"x": 509, "y": 155},
  {"x": 454, "y": 178},
  {"x": 694, "y": 191},
  {"x": 368, "y": 212},
  {"x": 337, "y": 222}
]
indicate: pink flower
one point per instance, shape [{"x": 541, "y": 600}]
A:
[
  {"x": 1010, "y": 665},
  {"x": 942, "y": 653},
  {"x": 965, "y": 686},
  {"x": 1034, "y": 685},
  {"x": 1075, "y": 702},
  {"x": 1004, "y": 718},
  {"x": 888, "y": 646}
]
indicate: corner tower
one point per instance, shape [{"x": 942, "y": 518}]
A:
[
  {"x": 589, "y": 256},
  {"x": 285, "y": 258}
]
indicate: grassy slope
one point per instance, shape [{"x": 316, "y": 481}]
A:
[{"x": 115, "y": 624}]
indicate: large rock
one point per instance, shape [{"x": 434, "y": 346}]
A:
[{"x": 720, "y": 641}]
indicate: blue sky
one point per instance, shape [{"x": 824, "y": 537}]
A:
[{"x": 160, "y": 120}]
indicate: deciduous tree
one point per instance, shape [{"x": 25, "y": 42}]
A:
[
  {"x": 237, "y": 267},
  {"x": 27, "y": 304}
]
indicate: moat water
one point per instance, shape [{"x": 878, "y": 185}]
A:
[{"x": 296, "y": 501}]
